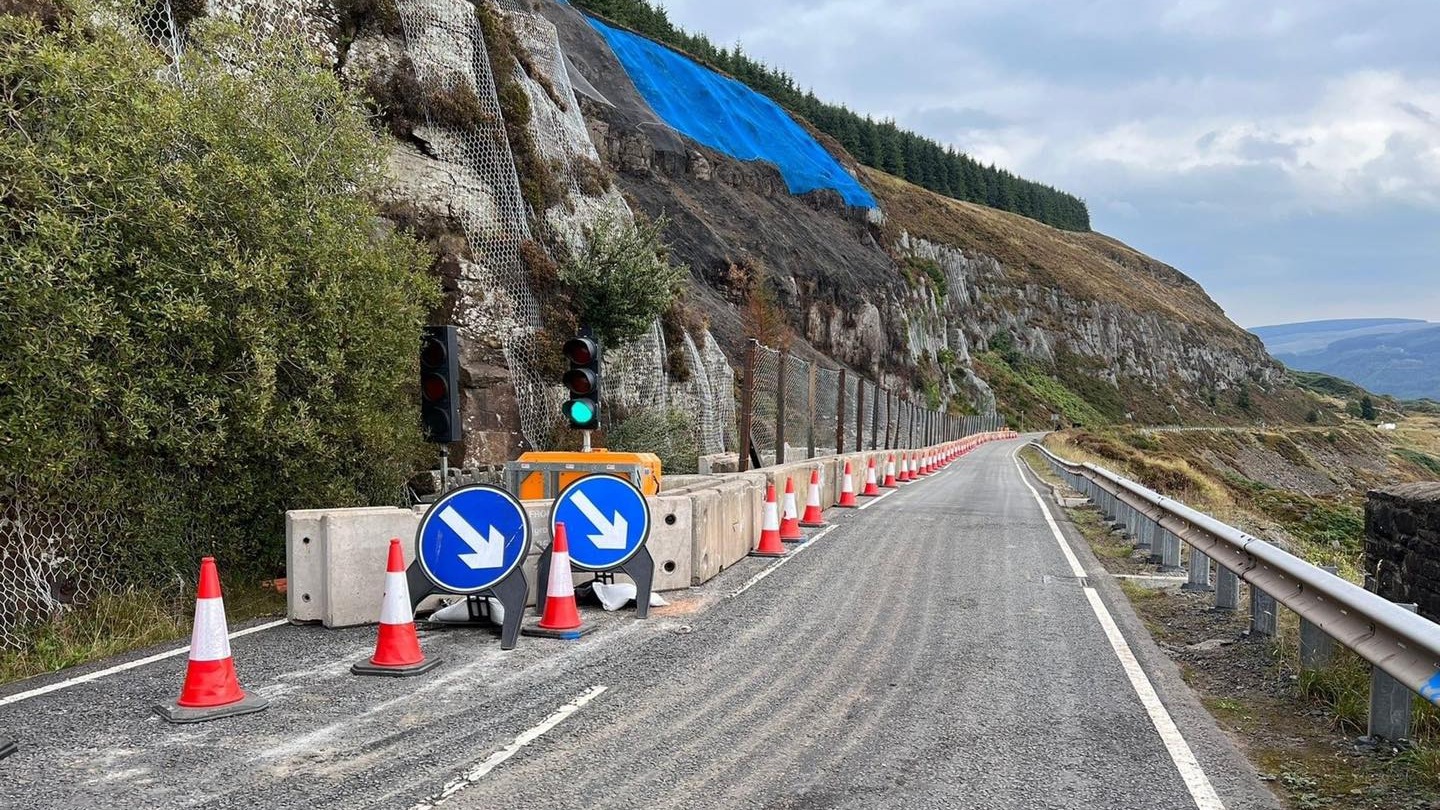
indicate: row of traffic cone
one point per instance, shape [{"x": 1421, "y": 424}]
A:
[{"x": 212, "y": 689}]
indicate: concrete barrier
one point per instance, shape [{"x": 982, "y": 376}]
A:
[{"x": 702, "y": 525}]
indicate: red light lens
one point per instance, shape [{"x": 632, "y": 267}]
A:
[
  {"x": 434, "y": 388},
  {"x": 580, "y": 381},
  {"x": 580, "y": 351}
]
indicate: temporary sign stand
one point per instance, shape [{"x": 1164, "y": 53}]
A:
[
  {"x": 472, "y": 543},
  {"x": 7, "y": 747},
  {"x": 608, "y": 522}
]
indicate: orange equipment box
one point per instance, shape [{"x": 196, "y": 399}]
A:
[{"x": 543, "y": 476}]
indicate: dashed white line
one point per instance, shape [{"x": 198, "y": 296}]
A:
[
  {"x": 797, "y": 551},
  {"x": 1199, "y": 785},
  {"x": 125, "y": 667},
  {"x": 498, "y": 758}
]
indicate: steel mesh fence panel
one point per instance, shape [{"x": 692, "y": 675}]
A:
[
  {"x": 799, "y": 427},
  {"x": 827, "y": 403},
  {"x": 766, "y": 404}
]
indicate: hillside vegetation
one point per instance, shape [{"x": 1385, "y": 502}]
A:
[{"x": 879, "y": 144}]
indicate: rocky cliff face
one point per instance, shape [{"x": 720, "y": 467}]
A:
[{"x": 965, "y": 305}]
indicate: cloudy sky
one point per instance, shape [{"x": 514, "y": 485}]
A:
[{"x": 1286, "y": 153}]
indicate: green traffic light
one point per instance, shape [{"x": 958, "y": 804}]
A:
[{"x": 581, "y": 412}]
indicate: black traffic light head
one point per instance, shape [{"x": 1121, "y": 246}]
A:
[
  {"x": 583, "y": 382},
  {"x": 440, "y": 385}
]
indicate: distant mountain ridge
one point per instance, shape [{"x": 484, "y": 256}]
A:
[{"x": 1394, "y": 356}]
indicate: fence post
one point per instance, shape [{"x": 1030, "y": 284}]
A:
[
  {"x": 1317, "y": 649},
  {"x": 1391, "y": 703},
  {"x": 780, "y": 407},
  {"x": 859, "y": 414},
  {"x": 874, "y": 416},
  {"x": 810, "y": 440},
  {"x": 840, "y": 417},
  {"x": 910, "y": 408},
  {"x": 890, "y": 422},
  {"x": 747, "y": 404}
]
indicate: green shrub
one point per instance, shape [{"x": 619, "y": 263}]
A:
[
  {"x": 204, "y": 324},
  {"x": 669, "y": 434},
  {"x": 623, "y": 280}
]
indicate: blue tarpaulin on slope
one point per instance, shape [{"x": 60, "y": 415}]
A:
[{"x": 729, "y": 117}]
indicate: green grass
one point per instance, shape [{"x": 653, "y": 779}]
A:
[
  {"x": 116, "y": 624},
  {"x": 1422, "y": 460}
]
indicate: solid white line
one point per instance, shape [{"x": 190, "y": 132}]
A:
[
  {"x": 1201, "y": 790},
  {"x": 498, "y": 758},
  {"x": 797, "y": 551},
  {"x": 95, "y": 676}
]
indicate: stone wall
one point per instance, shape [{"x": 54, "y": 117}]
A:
[{"x": 1402, "y": 545}]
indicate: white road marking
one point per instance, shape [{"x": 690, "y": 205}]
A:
[
  {"x": 878, "y": 498},
  {"x": 797, "y": 551},
  {"x": 498, "y": 758},
  {"x": 95, "y": 676},
  {"x": 1201, "y": 790}
]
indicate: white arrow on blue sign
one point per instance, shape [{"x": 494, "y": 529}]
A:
[
  {"x": 607, "y": 521},
  {"x": 472, "y": 538}
]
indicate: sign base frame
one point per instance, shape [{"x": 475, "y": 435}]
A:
[
  {"x": 640, "y": 568},
  {"x": 7, "y": 747},
  {"x": 512, "y": 592}
]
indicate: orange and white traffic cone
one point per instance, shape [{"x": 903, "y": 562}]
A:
[
  {"x": 847, "y": 490},
  {"x": 397, "y": 649},
  {"x": 790, "y": 516},
  {"x": 770, "y": 543},
  {"x": 872, "y": 483},
  {"x": 814, "y": 518},
  {"x": 904, "y": 476},
  {"x": 561, "y": 618},
  {"x": 211, "y": 690},
  {"x": 890, "y": 473}
]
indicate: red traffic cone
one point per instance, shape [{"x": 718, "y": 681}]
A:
[
  {"x": 770, "y": 544},
  {"x": 397, "y": 650},
  {"x": 890, "y": 473},
  {"x": 872, "y": 484},
  {"x": 903, "y": 477},
  {"x": 925, "y": 468},
  {"x": 814, "y": 518},
  {"x": 561, "y": 618},
  {"x": 211, "y": 690},
  {"x": 847, "y": 490},
  {"x": 790, "y": 516}
]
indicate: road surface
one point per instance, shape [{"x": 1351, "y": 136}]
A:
[{"x": 935, "y": 650}]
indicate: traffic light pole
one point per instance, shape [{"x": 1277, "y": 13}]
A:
[
  {"x": 585, "y": 446},
  {"x": 444, "y": 468}
]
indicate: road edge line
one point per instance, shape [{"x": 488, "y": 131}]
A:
[
  {"x": 125, "y": 667},
  {"x": 1202, "y": 791}
]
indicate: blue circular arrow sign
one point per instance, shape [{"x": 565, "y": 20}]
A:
[
  {"x": 607, "y": 521},
  {"x": 472, "y": 538}
]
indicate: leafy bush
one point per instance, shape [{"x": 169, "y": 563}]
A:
[
  {"x": 204, "y": 323},
  {"x": 669, "y": 434},
  {"x": 623, "y": 280}
]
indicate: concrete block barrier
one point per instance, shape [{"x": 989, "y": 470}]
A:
[{"x": 702, "y": 525}]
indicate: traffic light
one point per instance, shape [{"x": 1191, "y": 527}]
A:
[
  {"x": 583, "y": 382},
  {"x": 440, "y": 385}
]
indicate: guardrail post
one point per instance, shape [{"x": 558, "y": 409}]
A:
[
  {"x": 1263, "y": 618},
  {"x": 780, "y": 407},
  {"x": 1317, "y": 649},
  {"x": 1169, "y": 550},
  {"x": 1227, "y": 590},
  {"x": 747, "y": 405},
  {"x": 1391, "y": 703},
  {"x": 1199, "y": 573}
]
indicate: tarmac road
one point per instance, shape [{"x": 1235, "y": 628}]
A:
[{"x": 935, "y": 650}]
